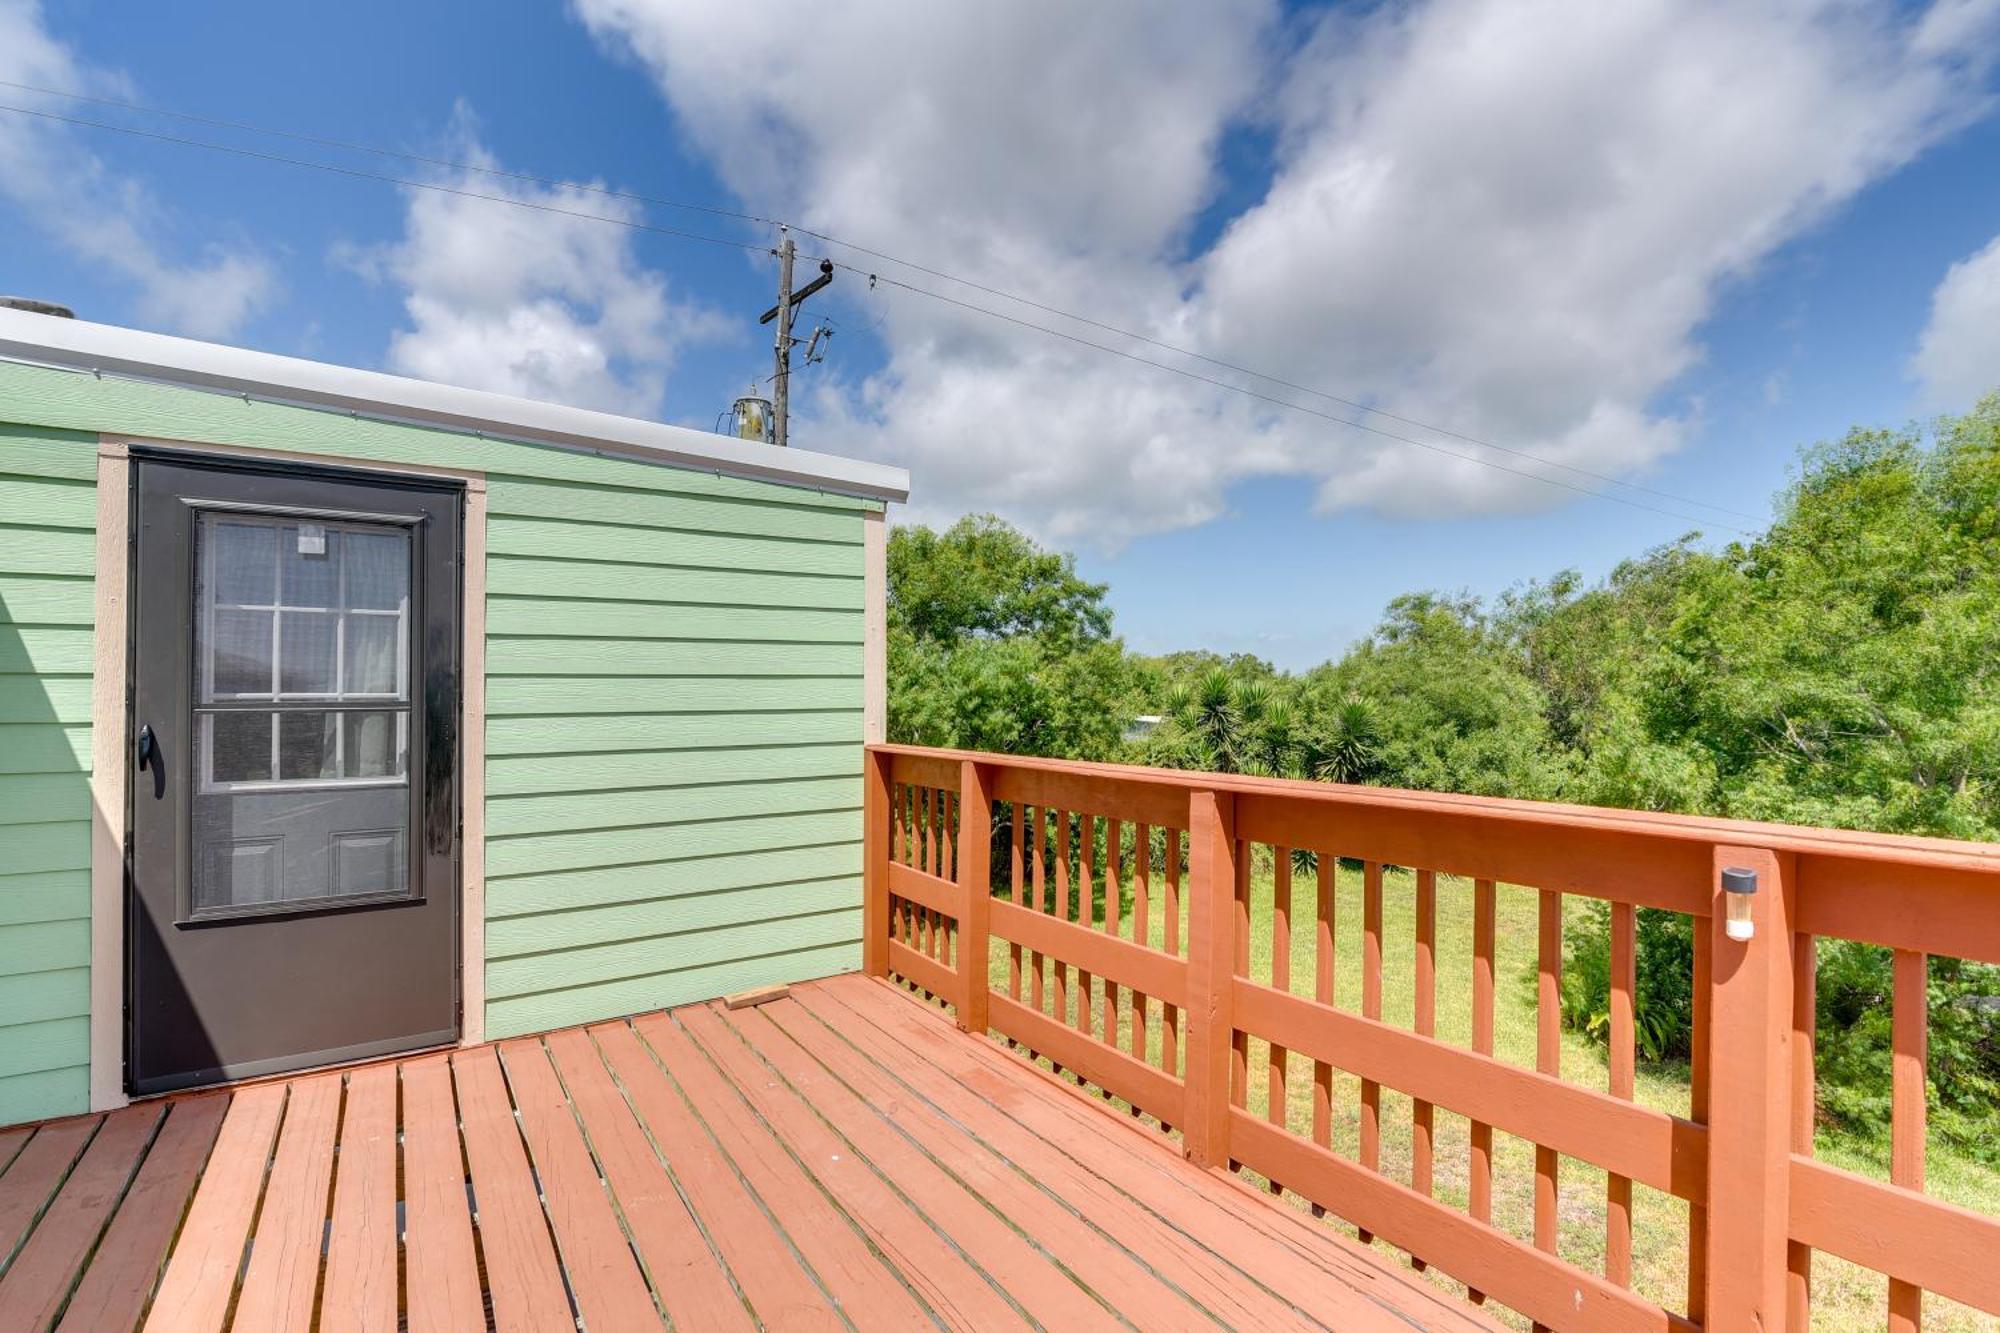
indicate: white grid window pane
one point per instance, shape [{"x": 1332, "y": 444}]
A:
[
  {"x": 239, "y": 746},
  {"x": 307, "y": 613},
  {"x": 312, "y": 576},
  {"x": 372, "y": 655},
  {"x": 306, "y": 644},
  {"x": 244, "y": 561},
  {"x": 239, "y": 648},
  {"x": 378, "y": 570},
  {"x": 308, "y": 746},
  {"x": 374, "y": 745}
]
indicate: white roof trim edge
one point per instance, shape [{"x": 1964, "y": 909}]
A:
[{"x": 79, "y": 345}]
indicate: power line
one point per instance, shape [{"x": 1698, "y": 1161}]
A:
[
  {"x": 356, "y": 172},
  {"x": 751, "y": 247},
  {"x": 1218, "y": 362},
  {"x": 1276, "y": 401}
]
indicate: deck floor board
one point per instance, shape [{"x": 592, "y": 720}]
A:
[
  {"x": 437, "y": 1228},
  {"x": 694, "y": 1286},
  {"x": 360, "y": 1291},
  {"x": 1126, "y": 1277},
  {"x": 610, "y": 1288},
  {"x": 955, "y": 1278},
  {"x": 127, "y": 1262},
  {"x": 839, "y": 1159},
  {"x": 783, "y": 1292},
  {"x": 31, "y": 1181},
  {"x": 871, "y": 1293},
  {"x": 1335, "y": 1285},
  {"x": 283, "y": 1277},
  {"x": 40, "y": 1276},
  {"x": 521, "y": 1270}
]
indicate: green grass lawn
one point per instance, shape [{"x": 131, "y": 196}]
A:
[{"x": 1844, "y": 1296}]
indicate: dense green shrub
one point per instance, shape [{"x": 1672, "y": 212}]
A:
[
  {"x": 1663, "y": 983},
  {"x": 1856, "y": 986},
  {"x": 1855, "y": 1012}
]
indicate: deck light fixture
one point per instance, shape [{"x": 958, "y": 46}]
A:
[{"x": 1739, "y": 888}]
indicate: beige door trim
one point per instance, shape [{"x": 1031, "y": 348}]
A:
[
  {"x": 472, "y": 775},
  {"x": 110, "y": 752},
  {"x": 108, "y": 755}
]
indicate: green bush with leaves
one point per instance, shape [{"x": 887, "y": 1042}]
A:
[
  {"x": 1855, "y": 1013},
  {"x": 1842, "y": 669},
  {"x": 1663, "y": 981}
]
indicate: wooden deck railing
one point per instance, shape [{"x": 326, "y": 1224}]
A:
[{"x": 1159, "y": 1008}]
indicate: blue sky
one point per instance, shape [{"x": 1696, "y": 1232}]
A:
[{"x": 1475, "y": 216}]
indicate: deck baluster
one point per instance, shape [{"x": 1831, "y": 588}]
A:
[
  {"x": 1909, "y": 1044},
  {"x": 1017, "y": 879},
  {"x": 1142, "y": 874},
  {"x": 1479, "y": 1180},
  {"x": 1623, "y": 1039},
  {"x": 1037, "y": 964},
  {"x": 1424, "y": 1013},
  {"x": 1276, "y": 1094},
  {"x": 1371, "y": 1007},
  {"x": 1548, "y": 1060},
  {"x": 1170, "y": 1015},
  {"x": 1113, "y": 911},
  {"x": 1062, "y": 914},
  {"x": 1326, "y": 880},
  {"x": 1086, "y": 914}
]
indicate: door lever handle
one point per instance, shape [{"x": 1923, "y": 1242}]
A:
[{"x": 148, "y": 751}]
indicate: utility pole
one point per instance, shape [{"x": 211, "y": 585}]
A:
[
  {"x": 781, "y": 381},
  {"x": 781, "y": 347}
]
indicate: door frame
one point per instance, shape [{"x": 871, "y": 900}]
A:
[{"x": 111, "y": 735}]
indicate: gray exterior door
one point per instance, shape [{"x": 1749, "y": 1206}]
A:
[{"x": 294, "y": 857}]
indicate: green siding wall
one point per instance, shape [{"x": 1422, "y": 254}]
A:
[
  {"x": 48, "y": 518},
  {"x": 673, "y": 730},
  {"x": 673, "y": 747}
]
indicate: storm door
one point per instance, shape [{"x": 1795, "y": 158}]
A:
[{"x": 294, "y": 820}]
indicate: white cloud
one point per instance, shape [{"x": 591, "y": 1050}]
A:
[
  {"x": 102, "y": 217},
  {"x": 1062, "y": 150},
  {"x": 1508, "y": 218},
  {"x": 1512, "y": 219},
  {"x": 1958, "y": 357},
  {"x": 540, "y": 304}
]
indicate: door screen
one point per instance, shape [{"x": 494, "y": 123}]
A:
[{"x": 302, "y": 712}]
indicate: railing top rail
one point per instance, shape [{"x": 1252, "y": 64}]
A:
[{"x": 1938, "y": 853}]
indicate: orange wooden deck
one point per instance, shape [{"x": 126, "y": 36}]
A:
[{"x": 841, "y": 1158}]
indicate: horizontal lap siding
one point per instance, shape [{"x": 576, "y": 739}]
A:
[
  {"x": 48, "y": 518},
  {"x": 674, "y": 762},
  {"x": 674, "y": 705}
]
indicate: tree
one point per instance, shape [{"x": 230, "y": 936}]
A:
[
  {"x": 1449, "y": 704},
  {"x": 997, "y": 644},
  {"x": 1224, "y": 722},
  {"x": 982, "y": 579}
]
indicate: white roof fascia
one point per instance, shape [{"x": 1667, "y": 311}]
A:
[{"x": 79, "y": 345}]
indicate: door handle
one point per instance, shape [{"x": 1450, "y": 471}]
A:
[{"x": 148, "y": 751}]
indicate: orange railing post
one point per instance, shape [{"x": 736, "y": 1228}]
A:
[
  {"x": 1750, "y": 1098},
  {"x": 875, "y": 817},
  {"x": 1211, "y": 955},
  {"x": 975, "y": 885}
]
